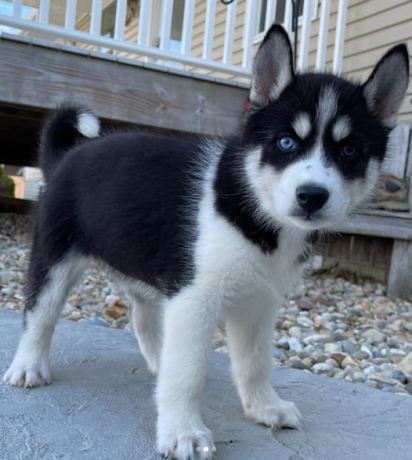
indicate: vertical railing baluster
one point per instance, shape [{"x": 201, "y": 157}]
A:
[
  {"x": 166, "y": 24},
  {"x": 270, "y": 13},
  {"x": 17, "y": 8},
  {"x": 70, "y": 18},
  {"x": 340, "y": 36},
  {"x": 229, "y": 32},
  {"x": 250, "y": 25},
  {"x": 44, "y": 11},
  {"x": 120, "y": 20},
  {"x": 323, "y": 35},
  {"x": 305, "y": 38},
  {"x": 287, "y": 21},
  {"x": 144, "y": 18},
  {"x": 188, "y": 26},
  {"x": 96, "y": 17},
  {"x": 209, "y": 29}
]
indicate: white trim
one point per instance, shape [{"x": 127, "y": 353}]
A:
[
  {"x": 70, "y": 17},
  {"x": 44, "y": 11},
  {"x": 96, "y": 17},
  {"x": 17, "y": 8},
  {"x": 229, "y": 33},
  {"x": 120, "y": 19},
  {"x": 340, "y": 36},
  {"x": 305, "y": 36},
  {"x": 166, "y": 24},
  {"x": 323, "y": 35},
  {"x": 144, "y": 20},
  {"x": 188, "y": 18},
  {"x": 209, "y": 29},
  {"x": 248, "y": 34}
]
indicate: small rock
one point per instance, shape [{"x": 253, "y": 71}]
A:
[
  {"x": 359, "y": 376},
  {"x": 97, "y": 322},
  {"x": 381, "y": 379},
  {"x": 305, "y": 304},
  {"x": 6, "y": 277},
  {"x": 400, "y": 376},
  {"x": 406, "y": 364},
  {"x": 323, "y": 368},
  {"x": 373, "y": 336},
  {"x": 338, "y": 335},
  {"x": 279, "y": 354},
  {"x": 294, "y": 344},
  {"x": 8, "y": 291},
  {"x": 295, "y": 331},
  {"x": 338, "y": 357},
  {"x": 339, "y": 374},
  {"x": 350, "y": 361},
  {"x": 408, "y": 388},
  {"x": 312, "y": 339},
  {"x": 296, "y": 364},
  {"x": 309, "y": 362},
  {"x": 304, "y": 321},
  {"x": 332, "y": 348},
  {"x": 348, "y": 347},
  {"x": 332, "y": 362},
  {"x": 360, "y": 355},
  {"x": 408, "y": 327},
  {"x": 395, "y": 390}
]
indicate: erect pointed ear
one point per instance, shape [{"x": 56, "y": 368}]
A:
[
  {"x": 273, "y": 67},
  {"x": 386, "y": 87}
]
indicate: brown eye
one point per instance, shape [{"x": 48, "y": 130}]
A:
[{"x": 349, "y": 151}]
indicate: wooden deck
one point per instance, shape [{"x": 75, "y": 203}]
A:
[{"x": 37, "y": 75}]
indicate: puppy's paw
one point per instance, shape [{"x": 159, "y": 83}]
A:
[
  {"x": 189, "y": 444},
  {"x": 277, "y": 415},
  {"x": 24, "y": 373}
]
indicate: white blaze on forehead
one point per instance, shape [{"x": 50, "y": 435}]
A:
[
  {"x": 302, "y": 125},
  {"x": 327, "y": 107},
  {"x": 341, "y": 128}
]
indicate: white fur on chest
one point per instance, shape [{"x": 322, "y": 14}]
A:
[{"x": 229, "y": 265}]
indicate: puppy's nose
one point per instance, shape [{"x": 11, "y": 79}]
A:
[{"x": 311, "y": 198}]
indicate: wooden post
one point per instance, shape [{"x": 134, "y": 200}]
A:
[{"x": 400, "y": 273}]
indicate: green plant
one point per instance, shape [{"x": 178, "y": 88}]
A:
[{"x": 7, "y": 185}]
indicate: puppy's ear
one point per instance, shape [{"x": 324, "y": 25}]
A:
[
  {"x": 273, "y": 67},
  {"x": 386, "y": 87}
]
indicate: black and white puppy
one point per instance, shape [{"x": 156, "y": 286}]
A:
[{"x": 200, "y": 231}]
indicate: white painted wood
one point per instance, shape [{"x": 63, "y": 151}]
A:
[
  {"x": 187, "y": 32},
  {"x": 144, "y": 20},
  {"x": 229, "y": 32},
  {"x": 70, "y": 18},
  {"x": 17, "y": 8},
  {"x": 44, "y": 11},
  {"x": 323, "y": 35},
  {"x": 400, "y": 273},
  {"x": 52, "y": 31},
  {"x": 96, "y": 17},
  {"x": 120, "y": 21},
  {"x": 249, "y": 32},
  {"x": 398, "y": 150},
  {"x": 209, "y": 28},
  {"x": 166, "y": 24},
  {"x": 340, "y": 36},
  {"x": 305, "y": 37},
  {"x": 287, "y": 21},
  {"x": 270, "y": 13},
  {"x": 409, "y": 169}
]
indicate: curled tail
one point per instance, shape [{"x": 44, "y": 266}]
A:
[{"x": 62, "y": 130}]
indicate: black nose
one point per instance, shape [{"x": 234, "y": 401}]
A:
[{"x": 311, "y": 198}]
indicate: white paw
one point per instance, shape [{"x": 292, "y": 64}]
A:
[
  {"x": 277, "y": 415},
  {"x": 188, "y": 444},
  {"x": 27, "y": 373}
]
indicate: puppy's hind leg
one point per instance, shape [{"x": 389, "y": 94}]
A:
[
  {"x": 249, "y": 329},
  {"x": 48, "y": 289},
  {"x": 147, "y": 324}
]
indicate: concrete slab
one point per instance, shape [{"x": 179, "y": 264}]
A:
[{"x": 100, "y": 406}]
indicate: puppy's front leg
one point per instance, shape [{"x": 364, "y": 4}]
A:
[
  {"x": 189, "y": 323},
  {"x": 249, "y": 329}
]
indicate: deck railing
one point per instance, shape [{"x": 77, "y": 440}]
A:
[{"x": 39, "y": 24}]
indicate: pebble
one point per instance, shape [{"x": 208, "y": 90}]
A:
[
  {"x": 330, "y": 325},
  {"x": 400, "y": 376}
]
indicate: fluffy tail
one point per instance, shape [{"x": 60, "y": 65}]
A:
[{"x": 62, "y": 130}]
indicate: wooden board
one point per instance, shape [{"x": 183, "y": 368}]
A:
[
  {"x": 43, "y": 76},
  {"x": 400, "y": 274},
  {"x": 385, "y": 227}
]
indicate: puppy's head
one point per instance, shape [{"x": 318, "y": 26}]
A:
[{"x": 315, "y": 142}]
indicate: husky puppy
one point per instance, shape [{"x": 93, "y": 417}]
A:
[{"x": 201, "y": 231}]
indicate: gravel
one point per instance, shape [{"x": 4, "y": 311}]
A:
[{"x": 331, "y": 326}]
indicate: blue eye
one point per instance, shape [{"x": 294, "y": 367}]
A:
[
  {"x": 287, "y": 143},
  {"x": 349, "y": 151}
]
